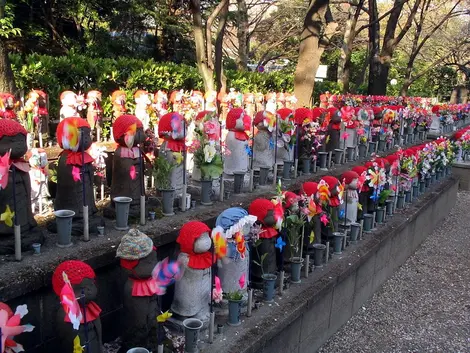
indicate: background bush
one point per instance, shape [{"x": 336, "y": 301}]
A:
[{"x": 80, "y": 73}]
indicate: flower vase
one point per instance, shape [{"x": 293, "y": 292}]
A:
[
  {"x": 338, "y": 156},
  {"x": 372, "y": 147},
  {"x": 422, "y": 186},
  {"x": 64, "y": 227},
  {"x": 238, "y": 182},
  {"x": 415, "y": 190},
  {"x": 400, "y": 201},
  {"x": 191, "y": 334},
  {"x": 389, "y": 207},
  {"x": 381, "y": 146},
  {"x": 350, "y": 153},
  {"x": 286, "y": 170},
  {"x": 263, "y": 176},
  {"x": 323, "y": 160},
  {"x": 318, "y": 252},
  {"x": 296, "y": 267},
  {"x": 379, "y": 215},
  {"x": 234, "y": 311},
  {"x": 362, "y": 150},
  {"x": 306, "y": 162},
  {"x": 368, "y": 220},
  {"x": 122, "y": 204},
  {"x": 269, "y": 282},
  {"x": 339, "y": 240},
  {"x": 354, "y": 232},
  {"x": 206, "y": 191},
  {"x": 167, "y": 201}
]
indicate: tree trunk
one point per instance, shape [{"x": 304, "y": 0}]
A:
[
  {"x": 344, "y": 62},
  {"x": 242, "y": 35},
  {"x": 220, "y": 78},
  {"x": 374, "y": 46},
  {"x": 7, "y": 80},
  {"x": 202, "y": 61},
  {"x": 309, "y": 53}
]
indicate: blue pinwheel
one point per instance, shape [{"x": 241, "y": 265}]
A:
[{"x": 280, "y": 244}]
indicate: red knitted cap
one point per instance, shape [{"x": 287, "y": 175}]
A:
[
  {"x": 285, "y": 113},
  {"x": 189, "y": 232},
  {"x": 9, "y": 127},
  {"x": 349, "y": 176},
  {"x": 260, "y": 208},
  {"x": 259, "y": 117},
  {"x": 310, "y": 188},
  {"x": 75, "y": 123},
  {"x": 302, "y": 114},
  {"x": 377, "y": 110},
  {"x": 359, "y": 169},
  {"x": 290, "y": 198},
  {"x": 317, "y": 112},
  {"x": 331, "y": 181},
  {"x": 232, "y": 117},
  {"x": 116, "y": 94},
  {"x": 203, "y": 114},
  {"x": 164, "y": 125},
  {"x": 76, "y": 271},
  {"x": 122, "y": 123},
  {"x": 391, "y": 158}
]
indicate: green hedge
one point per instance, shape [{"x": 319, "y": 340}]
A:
[{"x": 82, "y": 73}]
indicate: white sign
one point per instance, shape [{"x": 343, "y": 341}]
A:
[{"x": 321, "y": 72}]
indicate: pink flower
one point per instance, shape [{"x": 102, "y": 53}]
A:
[
  {"x": 212, "y": 129},
  {"x": 76, "y": 174},
  {"x": 345, "y": 136},
  {"x": 324, "y": 219}
]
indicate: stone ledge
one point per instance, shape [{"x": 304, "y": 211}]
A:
[
  {"x": 302, "y": 306},
  {"x": 34, "y": 273}
]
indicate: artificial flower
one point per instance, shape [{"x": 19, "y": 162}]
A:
[
  {"x": 280, "y": 243},
  {"x": 4, "y": 169},
  {"x": 242, "y": 281},
  {"x": 209, "y": 153},
  {"x": 76, "y": 175},
  {"x": 70, "y": 304},
  {"x": 132, "y": 172},
  {"x": 77, "y": 346},
  {"x": 240, "y": 244},
  {"x": 217, "y": 291},
  {"x": 164, "y": 316},
  {"x": 324, "y": 219},
  {"x": 220, "y": 243},
  {"x": 178, "y": 157},
  {"x": 7, "y": 217}
]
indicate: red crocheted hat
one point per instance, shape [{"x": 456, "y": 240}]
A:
[
  {"x": 285, "y": 113},
  {"x": 310, "y": 188},
  {"x": 189, "y": 232},
  {"x": 203, "y": 114},
  {"x": 9, "y": 127},
  {"x": 317, "y": 113},
  {"x": 290, "y": 198},
  {"x": 260, "y": 208},
  {"x": 164, "y": 125},
  {"x": 122, "y": 123},
  {"x": 76, "y": 271},
  {"x": 302, "y": 114},
  {"x": 349, "y": 176},
  {"x": 331, "y": 181},
  {"x": 74, "y": 124},
  {"x": 377, "y": 110},
  {"x": 391, "y": 158},
  {"x": 232, "y": 117},
  {"x": 359, "y": 169},
  {"x": 259, "y": 117}
]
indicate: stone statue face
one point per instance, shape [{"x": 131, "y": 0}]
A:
[
  {"x": 16, "y": 143},
  {"x": 10, "y": 103},
  {"x": 334, "y": 192},
  {"x": 89, "y": 289},
  {"x": 353, "y": 184},
  {"x": 145, "y": 266},
  {"x": 202, "y": 244},
  {"x": 294, "y": 208},
  {"x": 262, "y": 127},
  {"x": 269, "y": 220},
  {"x": 85, "y": 138},
  {"x": 239, "y": 125}
]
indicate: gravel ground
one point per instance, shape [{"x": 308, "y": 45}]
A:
[{"x": 425, "y": 305}]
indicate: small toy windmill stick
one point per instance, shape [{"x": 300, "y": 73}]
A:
[
  {"x": 86, "y": 230},
  {"x": 183, "y": 194},
  {"x": 142, "y": 188},
  {"x": 252, "y": 172},
  {"x": 17, "y": 227}
]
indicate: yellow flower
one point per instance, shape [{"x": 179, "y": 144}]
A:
[
  {"x": 178, "y": 157},
  {"x": 7, "y": 217},
  {"x": 77, "y": 347},
  {"x": 164, "y": 316}
]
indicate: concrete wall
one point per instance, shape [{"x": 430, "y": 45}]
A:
[{"x": 325, "y": 301}]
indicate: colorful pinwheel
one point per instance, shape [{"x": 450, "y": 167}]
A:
[
  {"x": 166, "y": 273},
  {"x": 70, "y": 304}
]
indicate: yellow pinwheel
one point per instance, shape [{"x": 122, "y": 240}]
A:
[
  {"x": 7, "y": 217},
  {"x": 164, "y": 316}
]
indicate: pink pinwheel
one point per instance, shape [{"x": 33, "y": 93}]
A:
[
  {"x": 166, "y": 273},
  {"x": 345, "y": 136},
  {"x": 11, "y": 327},
  {"x": 76, "y": 174},
  {"x": 70, "y": 304},
  {"x": 242, "y": 281},
  {"x": 217, "y": 291},
  {"x": 132, "y": 172},
  {"x": 4, "y": 169},
  {"x": 324, "y": 219}
]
